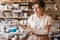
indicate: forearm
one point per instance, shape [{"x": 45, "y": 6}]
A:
[{"x": 40, "y": 32}]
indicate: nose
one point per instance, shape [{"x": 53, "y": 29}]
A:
[{"x": 35, "y": 9}]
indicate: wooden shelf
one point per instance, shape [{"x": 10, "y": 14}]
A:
[
  {"x": 47, "y": 2},
  {"x": 18, "y": 1},
  {"x": 49, "y": 10},
  {"x": 17, "y": 10},
  {"x": 10, "y": 33},
  {"x": 9, "y": 24},
  {"x": 30, "y": 11},
  {"x": 23, "y": 2},
  {"x": 55, "y": 20},
  {"x": 13, "y": 24},
  {"x": 8, "y": 2},
  {"x": 56, "y": 35},
  {"x": 15, "y": 18},
  {"x": 50, "y": 2},
  {"x": 27, "y": 11},
  {"x": 56, "y": 10},
  {"x": 7, "y": 10},
  {"x": 52, "y": 10}
]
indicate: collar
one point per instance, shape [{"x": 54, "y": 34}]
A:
[{"x": 35, "y": 15}]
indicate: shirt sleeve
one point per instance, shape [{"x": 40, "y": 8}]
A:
[{"x": 49, "y": 21}]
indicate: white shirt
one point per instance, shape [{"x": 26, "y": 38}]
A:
[{"x": 39, "y": 23}]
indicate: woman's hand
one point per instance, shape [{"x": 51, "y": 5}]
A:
[{"x": 28, "y": 30}]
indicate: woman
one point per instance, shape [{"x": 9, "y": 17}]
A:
[{"x": 39, "y": 23}]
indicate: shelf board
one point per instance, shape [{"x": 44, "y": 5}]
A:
[
  {"x": 7, "y": 2},
  {"x": 27, "y": 11},
  {"x": 49, "y": 10},
  {"x": 13, "y": 24},
  {"x": 9, "y": 24},
  {"x": 52, "y": 10},
  {"x": 45, "y": 11},
  {"x": 17, "y": 10},
  {"x": 49, "y": 2},
  {"x": 18, "y": 1},
  {"x": 7, "y": 10},
  {"x": 56, "y": 35},
  {"x": 55, "y": 20},
  {"x": 10, "y": 33},
  {"x": 16, "y": 18},
  {"x": 56, "y": 10},
  {"x": 23, "y": 2}
]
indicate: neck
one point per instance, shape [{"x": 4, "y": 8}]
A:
[{"x": 39, "y": 15}]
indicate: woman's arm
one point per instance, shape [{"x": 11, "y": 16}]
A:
[
  {"x": 28, "y": 30},
  {"x": 48, "y": 28}
]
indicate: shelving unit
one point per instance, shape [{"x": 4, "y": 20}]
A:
[{"x": 30, "y": 11}]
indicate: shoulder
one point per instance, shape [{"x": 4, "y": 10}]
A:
[{"x": 31, "y": 17}]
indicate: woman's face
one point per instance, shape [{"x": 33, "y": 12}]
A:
[{"x": 37, "y": 9}]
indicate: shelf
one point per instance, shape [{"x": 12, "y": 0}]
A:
[
  {"x": 9, "y": 2},
  {"x": 10, "y": 33},
  {"x": 18, "y": 1},
  {"x": 7, "y": 10},
  {"x": 56, "y": 10},
  {"x": 49, "y": 10},
  {"x": 52, "y": 10},
  {"x": 13, "y": 24},
  {"x": 55, "y": 20},
  {"x": 16, "y": 18},
  {"x": 17, "y": 10},
  {"x": 23, "y": 1},
  {"x": 56, "y": 35},
  {"x": 27, "y": 11},
  {"x": 50, "y": 2},
  {"x": 9, "y": 24}
]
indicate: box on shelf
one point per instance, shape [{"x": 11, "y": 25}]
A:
[
  {"x": 2, "y": 7},
  {"x": 24, "y": 8},
  {"x": 16, "y": 5},
  {"x": 15, "y": 15},
  {"x": 8, "y": 7},
  {"x": 22, "y": 14},
  {"x": 8, "y": 14},
  {"x": 49, "y": 7},
  {"x": 1, "y": 14},
  {"x": 23, "y": 22},
  {"x": 25, "y": 15}
]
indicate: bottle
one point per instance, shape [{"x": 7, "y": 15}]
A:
[{"x": 5, "y": 29}]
